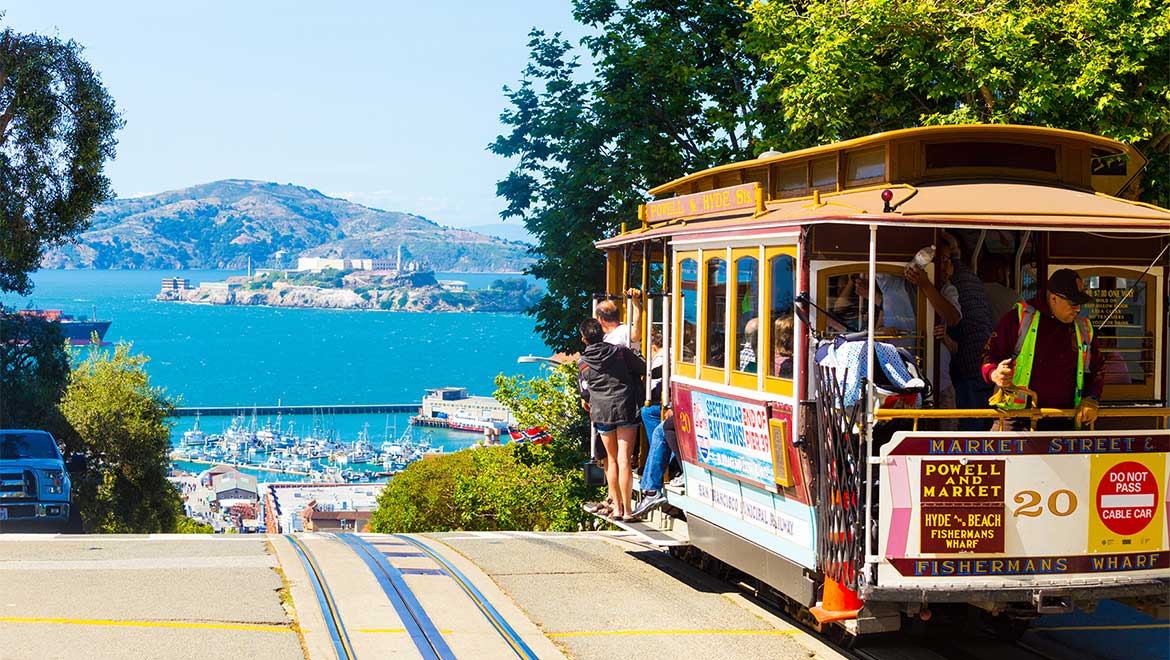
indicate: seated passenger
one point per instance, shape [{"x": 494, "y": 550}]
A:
[
  {"x": 747, "y": 352},
  {"x": 782, "y": 347},
  {"x": 663, "y": 445},
  {"x": 652, "y": 411}
]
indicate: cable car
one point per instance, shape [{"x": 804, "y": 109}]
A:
[{"x": 779, "y": 284}]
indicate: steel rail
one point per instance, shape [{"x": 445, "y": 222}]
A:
[
  {"x": 422, "y": 630},
  {"x": 497, "y": 621},
  {"x": 332, "y": 616}
]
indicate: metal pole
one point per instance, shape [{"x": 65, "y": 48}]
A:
[
  {"x": 666, "y": 330},
  {"x": 869, "y": 400},
  {"x": 649, "y": 311},
  {"x": 1017, "y": 278}
]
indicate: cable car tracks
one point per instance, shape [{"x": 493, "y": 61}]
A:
[{"x": 339, "y": 605}]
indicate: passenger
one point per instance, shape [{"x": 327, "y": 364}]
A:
[
  {"x": 782, "y": 347},
  {"x": 945, "y": 299},
  {"x": 619, "y": 333},
  {"x": 652, "y": 411},
  {"x": 747, "y": 353},
  {"x": 995, "y": 272},
  {"x": 1063, "y": 342},
  {"x": 971, "y": 390},
  {"x": 663, "y": 446},
  {"x": 852, "y": 306},
  {"x": 609, "y": 379}
]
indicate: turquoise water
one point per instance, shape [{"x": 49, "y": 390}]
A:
[{"x": 210, "y": 355}]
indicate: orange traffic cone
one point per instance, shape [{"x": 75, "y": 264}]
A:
[{"x": 839, "y": 603}]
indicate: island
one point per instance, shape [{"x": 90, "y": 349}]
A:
[{"x": 371, "y": 284}]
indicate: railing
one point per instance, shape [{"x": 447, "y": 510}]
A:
[
  {"x": 347, "y": 409},
  {"x": 1034, "y": 414}
]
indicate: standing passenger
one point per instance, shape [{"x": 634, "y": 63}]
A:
[
  {"x": 971, "y": 390},
  {"x": 610, "y": 377},
  {"x": 616, "y": 332}
]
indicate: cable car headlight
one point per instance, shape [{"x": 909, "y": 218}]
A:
[{"x": 887, "y": 196}]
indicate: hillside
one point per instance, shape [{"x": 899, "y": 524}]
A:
[{"x": 222, "y": 224}]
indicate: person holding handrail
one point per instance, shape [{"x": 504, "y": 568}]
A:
[{"x": 1048, "y": 330}]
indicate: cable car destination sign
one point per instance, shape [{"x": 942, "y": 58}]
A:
[
  {"x": 721, "y": 200},
  {"x": 1023, "y": 508}
]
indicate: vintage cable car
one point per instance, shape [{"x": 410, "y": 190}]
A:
[{"x": 863, "y": 504}]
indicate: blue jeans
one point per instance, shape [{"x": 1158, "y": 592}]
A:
[
  {"x": 651, "y": 418},
  {"x": 972, "y": 393},
  {"x": 656, "y": 461}
]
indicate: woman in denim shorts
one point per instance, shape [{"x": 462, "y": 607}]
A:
[{"x": 609, "y": 378}]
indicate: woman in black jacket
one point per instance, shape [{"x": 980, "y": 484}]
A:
[{"x": 609, "y": 379}]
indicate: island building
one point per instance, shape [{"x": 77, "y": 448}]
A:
[
  {"x": 285, "y": 505},
  {"x": 455, "y": 402},
  {"x": 176, "y": 284}
]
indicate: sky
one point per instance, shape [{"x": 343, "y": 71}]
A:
[{"x": 389, "y": 104}]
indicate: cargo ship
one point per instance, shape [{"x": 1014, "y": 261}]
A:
[{"x": 78, "y": 332}]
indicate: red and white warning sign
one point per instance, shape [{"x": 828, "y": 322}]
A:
[{"x": 1127, "y": 498}]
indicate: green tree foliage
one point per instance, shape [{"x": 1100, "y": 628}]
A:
[
  {"x": 121, "y": 420},
  {"x": 552, "y": 401},
  {"x": 672, "y": 91},
  {"x": 34, "y": 371},
  {"x": 57, "y": 127},
  {"x": 846, "y": 69}
]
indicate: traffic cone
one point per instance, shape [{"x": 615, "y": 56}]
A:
[{"x": 838, "y": 603}]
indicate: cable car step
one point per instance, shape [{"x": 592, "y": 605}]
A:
[{"x": 658, "y": 529}]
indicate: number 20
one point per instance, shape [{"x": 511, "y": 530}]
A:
[{"x": 1029, "y": 501}]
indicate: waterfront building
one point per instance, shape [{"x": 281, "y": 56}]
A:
[
  {"x": 449, "y": 402},
  {"x": 285, "y": 503}
]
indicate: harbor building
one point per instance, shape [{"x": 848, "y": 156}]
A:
[
  {"x": 452, "y": 402},
  {"x": 176, "y": 284},
  {"x": 285, "y": 503}
]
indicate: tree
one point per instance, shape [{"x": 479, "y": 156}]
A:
[
  {"x": 34, "y": 371},
  {"x": 552, "y": 401},
  {"x": 673, "y": 91},
  {"x": 57, "y": 125},
  {"x": 122, "y": 422},
  {"x": 846, "y": 69}
]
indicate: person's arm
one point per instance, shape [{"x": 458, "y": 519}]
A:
[
  {"x": 945, "y": 308},
  {"x": 1095, "y": 380},
  {"x": 1000, "y": 349},
  {"x": 635, "y": 297}
]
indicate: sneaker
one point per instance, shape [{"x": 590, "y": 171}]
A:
[
  {"x": 677, "y": 482},
  {"x": 649, "y": 503}
]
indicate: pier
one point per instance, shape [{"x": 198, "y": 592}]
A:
[{"x": 347, "y": 409}]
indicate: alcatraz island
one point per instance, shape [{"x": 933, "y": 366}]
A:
[{"x": 354, "y": 283}]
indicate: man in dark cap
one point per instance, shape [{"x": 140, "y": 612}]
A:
[{"x": 1046, "y": 346}]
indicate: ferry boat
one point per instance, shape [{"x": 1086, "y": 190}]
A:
[
  {"x": 78, "y": 331},
  {"x": 460, "y": 423}
]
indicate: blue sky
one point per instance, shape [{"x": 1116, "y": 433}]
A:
[{"x": 389, "y": 104}]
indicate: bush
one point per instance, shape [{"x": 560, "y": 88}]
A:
[{"x": 510, "y": 487}]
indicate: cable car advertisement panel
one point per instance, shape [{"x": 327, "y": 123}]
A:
[
  {"x": 1017, "y": 509},
  {"x": 729, "y": 436}
]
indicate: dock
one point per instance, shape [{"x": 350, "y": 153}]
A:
[{"x": 347, "y": 409}]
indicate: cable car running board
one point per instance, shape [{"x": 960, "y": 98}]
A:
[{"x": 654, "y": 531}]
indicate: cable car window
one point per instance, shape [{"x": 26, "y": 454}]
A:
[
  {"x": 715, "y": 314},
  {"x": 824, "y": 173},
  {"x": 747, "y": 311},
  {"x": 895, "y": 304},
  {"x": 1123, "y": 322},
  {"x": 783, "y": 278},
  {"x": 864, "y": 166},
  {"x": 794, "y": 179},
  {"x": 990, "y": 154},
  {"x": 688, "y": 281}
]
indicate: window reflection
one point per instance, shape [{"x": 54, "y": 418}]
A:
[
  {"x": 1121, "y": 326},
  {"x": 895, "y": 303},
  {"x": 747, "y": 311},
  {"x": 783, "y": 272},
  {"x": 688, "y": 271},
  {"x": 715, "y": 314}
]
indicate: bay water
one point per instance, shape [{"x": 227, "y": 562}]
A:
[{"x": 222, "y": 355}]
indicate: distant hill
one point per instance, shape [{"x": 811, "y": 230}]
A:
[
  {"x": 506, "y": 232},
  {"x": 222, "y": 224}
]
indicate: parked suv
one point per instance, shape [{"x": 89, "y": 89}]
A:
[{"x": 34, "y": 482}]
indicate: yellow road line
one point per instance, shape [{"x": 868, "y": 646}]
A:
[
  {"x": 1145, "y": 626},
  {"x": 145, "y": 624},
  {"x": 586, "y": 633}
]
